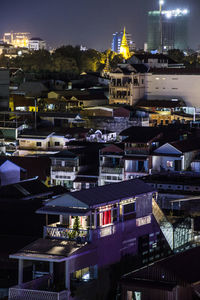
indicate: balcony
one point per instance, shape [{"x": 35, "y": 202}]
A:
[
  {"x": 124, "y": 85},
  {"x": 113, "y": 170},
  {"x": 63, "y": 233},
  {"x": 137, "y": 150},
  {"x": 64, "y": 169},
  {"x": 40, "y": 289}
]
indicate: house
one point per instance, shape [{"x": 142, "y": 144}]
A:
[
  {"x": 80, "y": 97},
  {"x": 9, "y": 171},
  {"x": 78, "y": 164},
  {"x": 64, "y": 168},
  {"x": 101, "y": 136},
  {"x": 175, "y": 156},
  {"x": 97, "y": 228},
  {"x": 139, "y": 142},
  {"x": 174, "y": 278},
  {"x": 111, "y": 168}
]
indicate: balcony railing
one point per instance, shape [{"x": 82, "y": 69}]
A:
[
  {"x": 62, "y": 233},
  {"x": 107, "y": 230},
  {"x": 64, "y": 169},
  {"x": 132, "y": 170},
  {"x": 137, "y": 150},
  {"x": 38, "y": 289},
  {"x": 126, "y": 84},
  {"x": 113, "y": 170}
]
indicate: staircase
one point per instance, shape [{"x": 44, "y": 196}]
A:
[{"x": 165, "y": 226}]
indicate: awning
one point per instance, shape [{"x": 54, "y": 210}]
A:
[{"x": 60, "y": 210}]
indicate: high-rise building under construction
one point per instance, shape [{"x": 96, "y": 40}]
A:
[{"x": 167, "y": 29}]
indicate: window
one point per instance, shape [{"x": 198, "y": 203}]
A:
[
  {"x": 57, "y": 143},
  {"x": 85, "y": 274},
  {"x": 106, "y": 218},
  {"x": 169, "y": 163},
  {"x": 129, "y": 208},
  {"x": 38, "y": 144}
]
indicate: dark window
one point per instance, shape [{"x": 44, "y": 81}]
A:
[
  {"x": 128, "y": 208},
  {"x": 38, "y": 144},
  {"x": 57, "y": 143}
]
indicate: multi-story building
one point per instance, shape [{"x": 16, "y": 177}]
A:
[
  {"x": 138, "y": 147},
  {"x": 97, "y": 228},
  {"x": 36, "y": 43},
  {"x": 127, "y": 84},
  {"x": 111, "y": 167},
  {"x": 174, "y": 29},
  {"x": 64, "y": 168},
  {"x": 17, "y": 39},
  {"x": 173, "y": 84}
]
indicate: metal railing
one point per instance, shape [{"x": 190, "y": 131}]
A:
[
  {"x": 81, "y": 235},
  {"x": 37, "y": 289},
  {"x": 113, "y": 170},
  {"x": 26, "y": 294},
  {"x": 64, "y": 169},
  {"x": 107, "y": 230}
]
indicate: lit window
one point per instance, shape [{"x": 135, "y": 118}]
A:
[
  {"x": 170, "y": 163},
  {"x": 157, "y": 78}
]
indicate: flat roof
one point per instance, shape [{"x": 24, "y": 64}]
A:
[{"x": 47, "y": 250}]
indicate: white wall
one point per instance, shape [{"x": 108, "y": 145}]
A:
[{"x": 186, "y": 87}]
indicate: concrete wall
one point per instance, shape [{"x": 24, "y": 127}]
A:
[{"x": 164, "y": 86}]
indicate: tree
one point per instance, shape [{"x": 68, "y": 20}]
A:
[{"x": 177, "y": 55}]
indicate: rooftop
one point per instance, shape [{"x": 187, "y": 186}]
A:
[{"x": 103, "y": 195}]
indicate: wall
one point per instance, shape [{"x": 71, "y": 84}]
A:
[
  {"x": 9, "y": 173},
  {"x": 164, "y": 86}
]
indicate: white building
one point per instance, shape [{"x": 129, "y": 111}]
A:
[
  {"x": 174, "y": 84},
  {"x": 36, "y": 44}
]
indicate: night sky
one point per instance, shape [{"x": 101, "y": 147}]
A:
[{"x": 88, "y": 22}]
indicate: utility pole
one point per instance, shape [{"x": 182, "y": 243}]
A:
[
  {"x": 161, "y": 2},
  {"x": 35, "y": 100}
]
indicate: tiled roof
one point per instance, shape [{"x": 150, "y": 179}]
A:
[
  {"x": 112, "y": 192},
  {"x": 112, "y": 149},
  {"x": 24, "y": 190},
  {"x": 182, "y": 267},
  {"x": 141, "y": 134},
  {"x": 188, "y": 145}
]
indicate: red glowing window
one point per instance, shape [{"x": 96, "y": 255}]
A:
[{"x": 106, "y": 217}]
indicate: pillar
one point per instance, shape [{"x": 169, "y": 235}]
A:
[
  {"x": 20, "y": 271},
  {"x": 51, "y": 270},
  {"x": 67, "y": 275}
]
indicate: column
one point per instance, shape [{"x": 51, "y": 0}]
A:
[
  {"x": 67, "y": 275},
  {"x": 51, "y": 270},
  {"x": 20, "y": 271}
]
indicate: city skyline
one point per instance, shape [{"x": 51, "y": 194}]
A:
[{"x": 63, "y": 23}]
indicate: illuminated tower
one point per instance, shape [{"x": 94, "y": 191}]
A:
[{"x": 124, "y": 48}]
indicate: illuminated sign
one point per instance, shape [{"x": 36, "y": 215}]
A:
[{"x": 143, "y": 221}]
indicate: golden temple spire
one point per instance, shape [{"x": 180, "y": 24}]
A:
[{"x": 124, "y": 48}]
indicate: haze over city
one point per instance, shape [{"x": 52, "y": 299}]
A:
[{"x": 90, "y": 23}]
